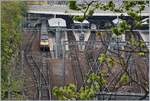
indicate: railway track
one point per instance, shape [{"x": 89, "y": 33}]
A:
[
  {"x": 27, "y": 58},
  {"x": 40, "y": 72},
  {"x": 89, "y": 51},
  {"x": 45, "y": 93},
  {"x": 92, "y": 59},
  {"x": 74, "y": 50}
]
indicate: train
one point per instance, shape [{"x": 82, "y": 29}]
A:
[{"x": 44, "y": 39}]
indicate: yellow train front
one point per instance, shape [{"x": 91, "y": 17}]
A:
[{"x": 44, "y": 44}]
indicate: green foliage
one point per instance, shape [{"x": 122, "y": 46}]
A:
[
  {"x": 142, "y": 7},
  {"x": 137, "y": 43},
  {"x": 133, "y": 42},
  {"x": 93, "y": 84},
  {"x": 121, "y": 28},
  {"x": 110, "y": 62},
  {"x": 115, "y": 31},
  {"x": 134, "y": 15},
  {"x": 91, "y": 12},
  {"x": 102, "y": 58},
  {"x": 73, "y": 5},
  {"x": 124, "y": 79},
  {"x": 123, "y": 24},
  {"x": 111, "y": 5},
  {"x": 14, "y": 88},
  {"x": 11, "y": 15},
  {"x": 141, "y": 54},
  {"x": 138, "y": 24},
  {"x": 79, "y": 18},
  {"x": 67, "y": 92},
  {"x": 11, "y": 36},
  {"x": 140, "y": 44}
]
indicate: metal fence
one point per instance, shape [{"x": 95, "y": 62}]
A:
[{"x": 120, "y": 96}]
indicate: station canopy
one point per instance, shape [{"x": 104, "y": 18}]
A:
[{"x": 57, "y": 22}]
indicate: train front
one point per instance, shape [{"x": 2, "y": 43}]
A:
[{"x": 44, "y": 45}]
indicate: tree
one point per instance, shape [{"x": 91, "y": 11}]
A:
[{"x": 11, "y": 14}]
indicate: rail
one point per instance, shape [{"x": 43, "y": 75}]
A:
[
  {"x": 78, "y": 75},
  {"x": 40, "y": 77}
]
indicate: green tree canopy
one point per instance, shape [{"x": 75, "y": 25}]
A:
[{"x": 11, "y": 16}]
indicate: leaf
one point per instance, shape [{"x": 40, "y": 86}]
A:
[
  {"x": 116, "y": 31},
  {"x": 138, "y": 25},
  {"x": 131, "y": 13},
  {"x": 102, "y": 58},
  {"x": 72, "y": 87},
  {"x": 141, "y": 54},
  {"x": 91, "y": 12},
  {"x": 79, "y": 18},
  {"x": 121, "y": 30},
  {"x": 111, "y": 5},
  {"x": 124, "y": 79},
  {"x": 110, "y": 62},
  {"x": 73, "y": 5}
]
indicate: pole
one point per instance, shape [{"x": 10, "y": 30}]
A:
[{"x": 57, "y": 43}]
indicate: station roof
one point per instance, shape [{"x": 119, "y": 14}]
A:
[
  {"x": 64, "y": 10},
  {"x": 57, "y": 22}
]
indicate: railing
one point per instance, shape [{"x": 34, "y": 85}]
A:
[{"x": 120, "y": 96}]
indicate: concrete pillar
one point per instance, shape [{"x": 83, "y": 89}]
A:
[
  {"x": 58, "y": 43},
  {"x": 93, "y": 33},
  {"x": 93, "y": 27}
]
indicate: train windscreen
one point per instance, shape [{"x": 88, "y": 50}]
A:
[{"x": 44, "y": 37}]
